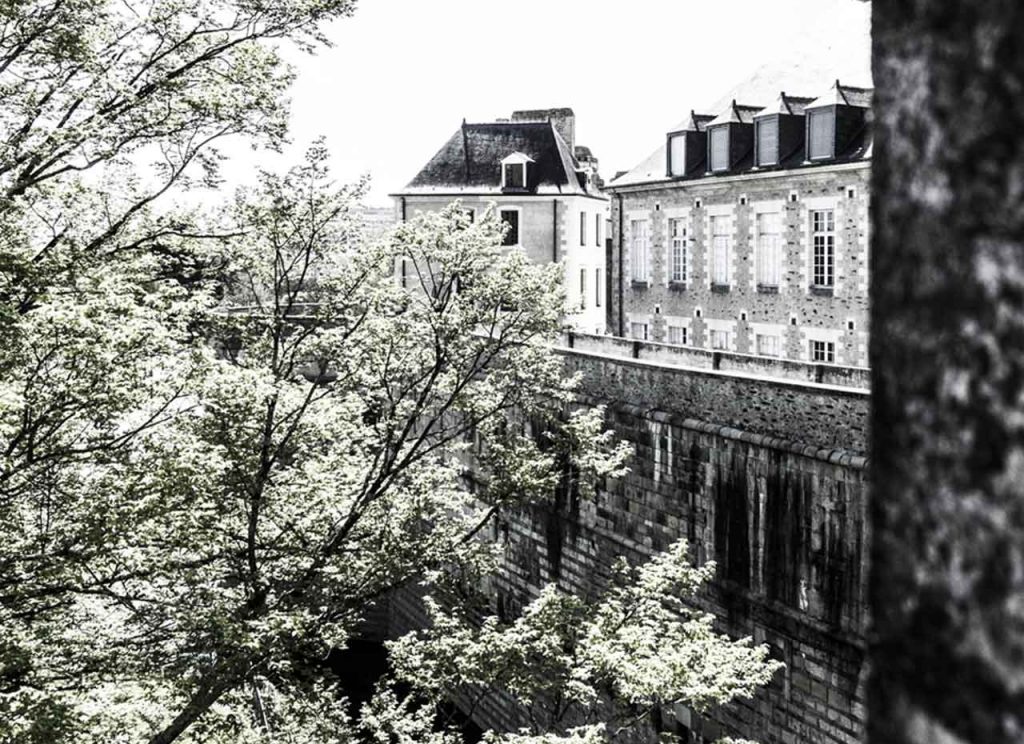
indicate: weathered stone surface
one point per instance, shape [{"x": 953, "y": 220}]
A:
[
  {"x": 813, "y": 415},
  {"x": 792, "y": 310},
  {"x": 783, "y": 514},
  {"x": 947, "y": 348}
]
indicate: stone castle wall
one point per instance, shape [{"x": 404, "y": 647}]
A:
[{"x": 767, "y": 478}]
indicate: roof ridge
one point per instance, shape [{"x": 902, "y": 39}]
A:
[{"x": 569, "y": 166}]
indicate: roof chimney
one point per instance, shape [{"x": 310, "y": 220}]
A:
[{"x": 563, "y": 119}]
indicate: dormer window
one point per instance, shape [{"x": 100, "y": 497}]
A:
[
  {"x": 821, "y": 133},
  {"x": 677, "y": 155},
  {"x": 767, "y": 141},
  {"x": 514, "y": 172},
  {"x": 718, "y": 139},
  {"x": 515, "y": 176}
]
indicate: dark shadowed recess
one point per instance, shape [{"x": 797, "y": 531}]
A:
[{"x": 362, "y": 663}]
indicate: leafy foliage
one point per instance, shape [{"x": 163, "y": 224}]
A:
[
  {"x": 224, "y": 433},
  {"x": 606, "y": 663}
]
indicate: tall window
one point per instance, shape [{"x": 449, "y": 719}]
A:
[
  {"x": 677, "y": 250},
  {"x": 511, "y": 218},
  {"x": 719, "y": 137},
  {"x": 677, "y": 335},
  {"x": 597, "y": 287},
  {"x": 640, "y": 248},
  {"x": 583, "y": 228},
  {"x": 583, "y": 288},
  {"x": 720, "y": 340},
  {"x": 515, "y": 175},
  {"x": 823, "y": 237},
  {"x": 821, "y": 134},
  {"x": 768, "y": 345},
  {"x": 597, "y": 229},
  {"x": 677, "y": 155},
  {"x": 638, "y": 331},
  {"x": 768, "y": 258},
  {"x": 720, "y": 250},
  {"x": 823, "y": 351},
  {"x": 768, "y": 141}
]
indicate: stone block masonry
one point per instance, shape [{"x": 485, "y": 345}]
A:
[
  {"x": 816, "y": 418},
  {"x": 749, "y": 365},
  {"x": 741, "y": 307},
  {"x": 766, "y": 478}
]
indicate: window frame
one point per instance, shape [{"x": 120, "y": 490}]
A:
[
  {"x": 768, "y": 259},
  {"x": 583, "y": 228},
  {"x": 721, "y": 250},
  {"x": 812, "y": 115},
  {"x": 583, "y": 288},
  {"x": 718, "y": 333},
  {"x": 759, "y": 337},
  {"x": 823, "y": 248},
  {"x": 597, "y": 287},
  {"x": 640, "y": 250},
  {"x": 506, "y": 167},
  {"x": 515, "y": 159},
  {"x": 724, "y": 130},
  {"x": 677, "y": 263},
  {"x": 676, "y": 170},
  {"x": 827, "y": 350},
  {"x": 774, "y": 119},
  {"x": 518, "y": 236}
]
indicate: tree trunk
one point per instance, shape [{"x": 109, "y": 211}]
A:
[
  {"x": 200, "y": 702},
  {"x": 947, "y": 352}
]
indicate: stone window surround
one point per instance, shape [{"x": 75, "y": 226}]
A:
[
  {"x": 719, "y": 324},
  {"x": 719, "y": 210},
  {"x": 756, "y": 329},
  {"x": 762, "y": 207},
  {"x": 640, "y": 318},
  {"x": 679, "y": 321},
  {"x": 678, "y": 213},
  {"x": 806, "y": 206},
  {"x": 631, "y": 216},
  {"x": 833, "y": 335}
]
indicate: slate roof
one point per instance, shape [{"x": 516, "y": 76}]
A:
[
  {"x": 785, "y": 104},
  {"x": 696, "y": 123},
  {"x": 844, "y": 95},
  {"x": 736, "y": 114},
  {"x": 653, "y": 167},
  {"x": 810, "y": 66},
  {"x": 471, "y": 160}
]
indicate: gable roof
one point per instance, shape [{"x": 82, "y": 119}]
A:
[
  {"x": 696, "y": 123},
  {"x": 736, "y": 114},
  {"x": 471, "y": 160},
  {"x": 844, "y": 95},
  {"x": 785, "y": 104}
]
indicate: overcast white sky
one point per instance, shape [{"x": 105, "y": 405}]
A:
[{"x": 403, "y": 73}]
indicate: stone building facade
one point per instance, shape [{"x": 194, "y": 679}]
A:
[
  {"x": 737, "y": 284},
  {"x": 753, "y": 237},
  {"x": 545, "y": 186}
]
